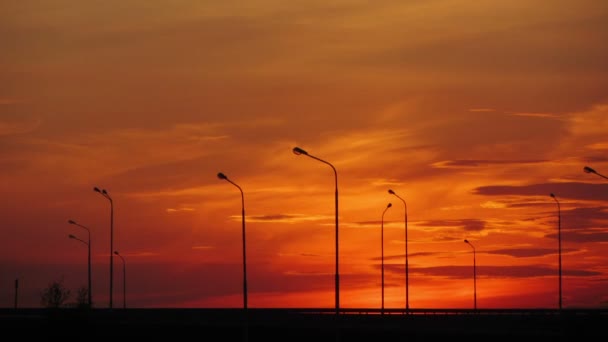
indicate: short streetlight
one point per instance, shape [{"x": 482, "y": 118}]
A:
[
  {"x": 88, "y": 243},
  {"x": 587, "y": 169},
  {"x": 299, "y": 151},
  {"x": 474, "y": 276},
  {"x": 222, "y": 176},
  {"x": 382, "y": 248},
  {"x": 407, "y": 281},
  {"x": 559, "y": 247},
  {"x": 124, "y": 280},
  {"x": 105, "y": 194},
  {"x": 89, "y": 263},
  {"x": 16, "y": 291}
]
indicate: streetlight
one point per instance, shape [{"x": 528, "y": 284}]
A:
[
  {"x": 299, "y": 151},
  {"x": 124, "y": 280},
  {"x": 559, "y": 244},
  {"x": 105, "y": 194},
  {"x": 16, "y": 291},
  {"x": 587, "y": 169},
  {"x": 382, "y": 240},
  {"x": 407, "y": 282},
  {"x": 222, "y": 176},
  {"x": 88, "y": 258},
  {"x": 89, "y": 263},
  {"x": 474, "y": 276}
]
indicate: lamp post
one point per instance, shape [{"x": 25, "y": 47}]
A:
[
  {"x": 474, "y": 276},
  {"x": 124, "y": 280},
  {"x": 89, "y": 263},
  {"x": 88, "y": 259},
  {"x": 105, "y": 194},
  {"x": 382, "y": 249},
  {"x": 587, "y": 169},
  {"x": 222, "y": 176},
  {"x": 16, "y": 291},
  {"x": 559, "y": 247},
  {"x": 299, "y": 151},
  {"x": 407, "y": 282}
]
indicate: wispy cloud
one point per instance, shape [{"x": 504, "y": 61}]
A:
[
  {"x": 465, "y": 224},
  {"x": 570, "y": 190},
  {"x": 18, "y": 127},
  {"x": 539, "y": 115},
  {"x": 481, "y": 110},
  {"x": 174, "y": 210},
  {"x": 284, "y": 218},
  {"x": 465, "y": 163}
]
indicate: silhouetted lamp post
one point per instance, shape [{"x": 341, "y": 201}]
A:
[
  {"x": 587, "y": 169},
  {"x": 407, "y": 281},
  {"x": 124, "y": 280},
  {"x": 222, "y": 176},
  {"x": 474, "y": 276},
  {"x": 89, "y": 263},
  {"x": 559, "y": 247},
  {"x": 88, "y": 259},
  {"x": 16, "y": 291},
  {"x": 299, "y": 151},
  {"x": 105, "y": 194},
  {"x": 382, "y": 243}
]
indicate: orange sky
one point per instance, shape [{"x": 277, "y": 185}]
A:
[{"x": 472, "y": 111}]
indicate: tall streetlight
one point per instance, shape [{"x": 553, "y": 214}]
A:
[
  {"x": 559, "y": 246},
  {"x": 88, "y": 258},
  {"x": 407, "y": 282},
  {"x": 382, "y": 242},
  {"x": 474, "y": 276},
  {"x": 587, "y": 169},
  {"x": 299, "y": 151},
  {"x": 124, "y": 280},
  {"x": 222, "y": 176},
  {"x": 89, "y": 263},
  {"x": 105, "y": 194}
]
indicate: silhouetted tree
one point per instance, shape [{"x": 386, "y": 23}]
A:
[
  {"x": 55, "y": 295},
  {"x": 82, "y": 297}
]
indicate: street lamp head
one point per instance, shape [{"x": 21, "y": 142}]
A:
[
  {"x": 71, "y": 236},
  {"x": 221, "y": 176},
  {"x": 389, "y": 205},
  {"x": 298, "y": 151},
  {"x": 552, "y": 195},
  {"x": 587, "y": 169},
  {"x": 116, "y": 252},
  {"x": 71, "y": 222},
  {"x": 104, "y": 192},
  {"x": 96, "y": 189},
  {"x": 391, "y": 192},
  {"x": 466, "y": 241}
]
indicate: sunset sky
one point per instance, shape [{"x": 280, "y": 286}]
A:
[{"x": 472, "y": 111}]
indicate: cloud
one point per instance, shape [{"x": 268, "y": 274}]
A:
[
  {"x": 570, "y": 190},
  {"x": 464, "y": 163},
  {"x": 460, "y": 272},
  {"x": 174, "y": 210},
  {"x": 285, "y": 218},
  {"x": 474, "y": 225},
  {"x": 8, "y": 128},
  {"x": 523, "y": 252},
  {"x": 539, "y": 115}
]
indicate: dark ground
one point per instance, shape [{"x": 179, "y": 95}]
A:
[{"x": 306, "y": 324}]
